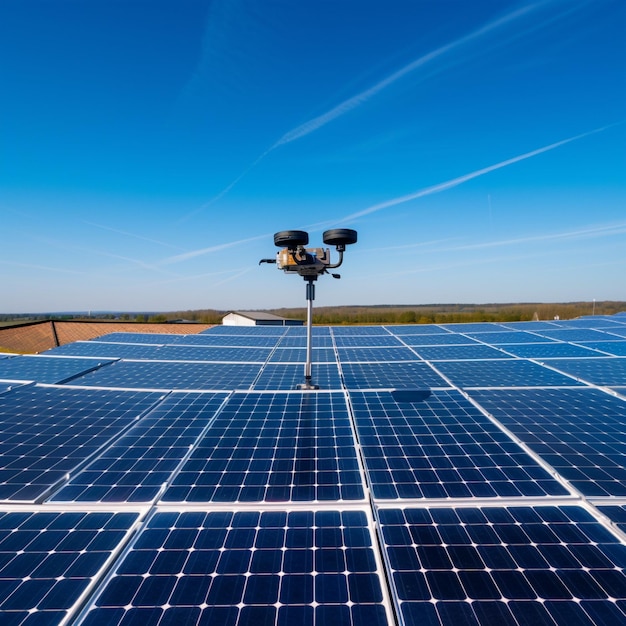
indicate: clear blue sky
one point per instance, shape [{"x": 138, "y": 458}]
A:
[{"x": 149, "y": 149}]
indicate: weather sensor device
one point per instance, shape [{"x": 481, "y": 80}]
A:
[{"x": 295, "y": 258}]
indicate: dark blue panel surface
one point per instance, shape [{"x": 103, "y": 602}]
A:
[
  {"x": 46, "y": 432},
  {"x": 576, "y": 334},
  {"x": 502, "y": 373},
  {"x": 298, "y": 355},
  {"x": 48, "y": 559},
  {"x": 103, "y": 349},
  {"x": 447, "y": 339},
  {"x": 453, "y": 353},
  {"x": 579, "y": 432},
  {"x": 266, "y": 447},
  {"x": 416, "y": 329},
  {"x": 517, "y": 565},
  {"x": 135, "y": 468},
  {"x": 366, "y": 341},
  {"x": 600, "y": 371},
  {"x": 506, "y": 337},
  {"x": 219, "y": 569},
  {"x": 614, "y": 348},
  {"x": 551, "y": 350},
  {"x": 211, "y": 353},
  {"x": 173, "y": 375},
  {"x": 44, "y": 369},
  {"x": 443, "y": 447},
  {"x": 376, "y": 354},
  {"x": 390, "y": 375}
]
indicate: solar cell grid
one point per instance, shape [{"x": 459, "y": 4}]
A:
[
  {"x": 579, "y": 432},
  {"x": 155, "y": 339},
  {"x": 45, "y": 369},
  {"x": 614, "y": 348},
  {"x": 599, "y": 371},
  {"x": 254, "y": 331},
  {"x": 575, "y": 334},
  {"x": 478, "y": 327},
  {"x": 223, "y": 569},
  {"x": 135, "y": 468},
  {"x": 547, "y": 350},
  {"x": 502, "y": 373},
  {"x": 365, "y": 341},
  {"x": 451, "y": 353},
  {"x": 173, "y": 375},
  {"x": 211, "y": 353},
  {"x": 517, "y": 565},
  {"x": 46, "y": 432},
  {"x": 105, "y": 350},
  {"x": 47, "y": 560},
  {"x": 390, "y": 375},
  {"x": 227, "y": 341},
  {"x": 272, "y": 447},
  {"x": 298, "y": 355},
  {"x": 376, "y": 354},
  {"x": 283, "y": 377},
  {"x": 452, "y": 339},
  {"x": 416, "y": 329},
  {"x": 299, "y": 341},
  {"x": 443, "y": 447},
  {"x": 507, "y": 337}
]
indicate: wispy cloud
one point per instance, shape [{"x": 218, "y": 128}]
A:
[
  {"x": 133, "y": 235},
  {"x": 201, "y": 252},
  {"x": 364, "y": 96},
  {"x": 455, "y": 182}
]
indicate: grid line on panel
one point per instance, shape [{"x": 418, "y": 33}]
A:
[
  {"x": 138, "y": 465},
  {"x": 48, "y": 432},
  {"x": 581, "y": 433},
  {"x": 390, "y": 375},
  {"x": 273, "y": 447},
  {"x": 284, "y": 377},
  {"x": 443, "y": 447},
  {"x": 514, "y": 565},
  {"x": 227, "y": 568},
  {"x": 598, "y": 370}
]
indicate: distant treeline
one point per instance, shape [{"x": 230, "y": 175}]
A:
[{"x": 383, "y": 314}]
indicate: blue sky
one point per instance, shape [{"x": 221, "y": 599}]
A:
[{"x": 149, "y": 149}]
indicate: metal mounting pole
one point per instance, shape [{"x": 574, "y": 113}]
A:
[{"x": 310, "y": 296}]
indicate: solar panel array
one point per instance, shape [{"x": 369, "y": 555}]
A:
[{"x": 166, "y": 479}]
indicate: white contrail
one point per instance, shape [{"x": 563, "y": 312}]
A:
[
  {"x": 351, "y": 103},
  {"x": 364, "y": 96},
  {"x": 194, "y": 253},
  {"x": 427, "y": 191},
  {"x": 133, "y": 235}
]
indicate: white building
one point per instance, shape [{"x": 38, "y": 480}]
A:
[{"x": 257, "y": 318}]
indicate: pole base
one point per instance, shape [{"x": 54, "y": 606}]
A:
[{"x": 307, "y": 385}]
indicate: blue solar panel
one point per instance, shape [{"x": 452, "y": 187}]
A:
[
  {"x": 273, "y": 447},
  {"x": 224, "y": 568},
  {"x": 576, "y": 334},
  {"x": 48, "y": 559},
  {"x": 390, "y": 375},
  {"x": 299, "y": 341},
  {"x": 228, "y": 341},
  {"x": 502, "y": 373},
  {"x": 298, "y": 355},
  {"x": 506, "y": 337},
  {"x": 600, "y": 371},
  {"x": 548, "y": 350},
  {"x": 376, "y": 354},
  {"x": 471, "y": 327},
  {"x": 452, "y": 353},
  {"x": 366, "y": 341},
  {"x": 211, "y": 353},
  {"x": 516, "y": 565},
  {"x": 48, "y": 432},
  {"x": 44, "y": 369},
  {"x": 416, "y": 329},
  {"x": 155, "y": 339},
  {"x": 103, "y": 349},
  {"x": 581, "y": 433},
  {"x": 449, "y": 339},
  {"x": 173, "y": 375},
  {"x": 616, "y": 513},
  {"x": 442, "y": 448},
  {"x": 614, "y": 348},
  {"x": 139, "y": 464}
]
